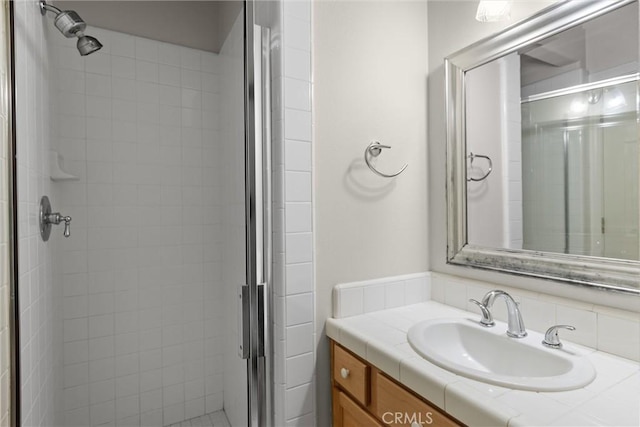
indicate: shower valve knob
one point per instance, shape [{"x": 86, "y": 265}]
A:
[
  {"x": 56, "y": 218},
  {"x": 67, "y": 226}
]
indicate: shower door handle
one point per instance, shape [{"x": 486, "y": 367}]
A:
[
  {"x": 244, "y": 322},
  {"x": 244, "y": 326}
]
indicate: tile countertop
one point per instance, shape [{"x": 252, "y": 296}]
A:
[{"x": 612, "y": 399}]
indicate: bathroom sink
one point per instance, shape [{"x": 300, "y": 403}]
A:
[{"x": 485, "y": 354}]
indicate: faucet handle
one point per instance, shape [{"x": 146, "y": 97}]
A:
[
  {"x": 487, "y": 318},
  {"x": 551, "y": 338},
  {"x": 67, "y": 225}
]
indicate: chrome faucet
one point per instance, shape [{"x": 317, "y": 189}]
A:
[{"x": 515, "y": 324}]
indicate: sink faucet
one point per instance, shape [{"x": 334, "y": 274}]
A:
[{"x": 515, "y": 324}]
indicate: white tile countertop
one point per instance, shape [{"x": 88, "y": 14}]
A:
[{"x": 612, "y": 399}]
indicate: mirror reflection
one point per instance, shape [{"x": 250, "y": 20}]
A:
[{"x": 557, "y": 122}]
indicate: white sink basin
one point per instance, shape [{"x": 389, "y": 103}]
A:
[{"x": 487, "y": 354}]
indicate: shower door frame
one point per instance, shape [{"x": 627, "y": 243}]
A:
[{"x": 255, "y": 332}]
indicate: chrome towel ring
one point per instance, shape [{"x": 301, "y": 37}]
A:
[
  {"x": 373, "y": 150},
  {"x": 483, "y": 177}
]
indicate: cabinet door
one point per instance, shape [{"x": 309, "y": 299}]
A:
[
  {"x": 399, "y": 408},
  {"x": 347, "y": 413},
  {"x": 351, "y": 374}
]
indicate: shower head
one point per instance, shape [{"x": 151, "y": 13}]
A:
[
  {"x": 71, "y": 25},
  {"x": 87, "y": 45}
]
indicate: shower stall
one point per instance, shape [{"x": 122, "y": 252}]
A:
[
  {"x": 580, "y": 170},
  {"x": 153, "y": 306}
]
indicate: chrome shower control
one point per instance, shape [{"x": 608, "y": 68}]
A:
[{"x": 47, "y": 218}]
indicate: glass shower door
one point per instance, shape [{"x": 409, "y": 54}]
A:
[{"x": 247, "y": 219}]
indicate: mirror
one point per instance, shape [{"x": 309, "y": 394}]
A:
[{"x": 543, "y": 147}]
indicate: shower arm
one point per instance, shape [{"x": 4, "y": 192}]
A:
[{"x": 44, "y": 8}]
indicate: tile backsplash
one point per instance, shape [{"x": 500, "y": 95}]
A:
[
  {"x": 604, "y": 328},
  {"x": 352, "y": 299}
]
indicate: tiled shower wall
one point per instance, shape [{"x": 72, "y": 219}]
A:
[
  {"x": 35, "y": 280},
  {"x": 137, "y": 122}
]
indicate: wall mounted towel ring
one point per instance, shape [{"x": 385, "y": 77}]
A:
[
  {"x": 483, "y": 177},
  {"x": 373, "y": 150}
]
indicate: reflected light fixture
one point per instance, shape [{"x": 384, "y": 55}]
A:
[
  {"x": 578, "y": 105},
  {"x": 493, "y": 10},
  {"x": 614, "y": 99}
]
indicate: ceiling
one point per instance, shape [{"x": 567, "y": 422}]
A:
[
  {"x": 197, "y": 24},
  {"x": 606, "y": 42}
]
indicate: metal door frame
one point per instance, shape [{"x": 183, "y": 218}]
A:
[{"x": 256, "y": 300}]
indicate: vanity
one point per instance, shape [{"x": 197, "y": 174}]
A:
[
  {"x": 379, "y": 379},
  {"x": 363, "y": 395}
]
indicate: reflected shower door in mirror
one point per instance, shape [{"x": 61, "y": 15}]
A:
[
  {"x": 559, "y": 120},
  {"x": 580, "y": 175}
]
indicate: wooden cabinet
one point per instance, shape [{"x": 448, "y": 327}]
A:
[
  {"x": 347, "y": 413},
  {"x": 365, "y": 396},
  {"x": 352, "y": 375}
]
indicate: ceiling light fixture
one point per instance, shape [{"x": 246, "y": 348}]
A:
[{"x": 493, "y": 10}]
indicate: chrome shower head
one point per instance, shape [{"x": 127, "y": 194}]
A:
[
  {"x": 87, "y": 45},
  {"x": 71, "y": 25}
]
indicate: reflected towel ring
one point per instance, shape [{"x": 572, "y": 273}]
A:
[
  {"x": 473, "y": 156},
  {"x": 374, "y": 149}
]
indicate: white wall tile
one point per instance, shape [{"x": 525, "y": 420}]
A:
[
  {"x": 169, "y": 54},
  {"x": 297, "y": 125},
  {"x": 394, "y": 294},
  {"x": 297, "y": 94},
  {"x": 299, "y": 309},
  {"x": 123, "y": 67},
  {"x": 146, "y": 49},
  {"x": 299, "y": 278},
  {"x": 298, "y": 217},
  {"x": 299, "y": 370},
  {"x": 190, "y": 59},
  {"x": 299, "y": 401},
  {"x": 134, "y": 328},
  {"x": 374, "y": 298},
  {"x": 584, "y": 321},
  {"x": 297, "y": 63},
  {"x": 298, "y": 186},
  {"x": 299, "y": 248},
  {"x": 298, "y": 156},
  {"x": 297, "y": 32},
  {"x": 619, "y": 336},
  {"x": 299, "y": 339},
  {"x": 122, "y": 45}
]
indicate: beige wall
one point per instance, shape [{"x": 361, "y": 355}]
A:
[{"x": 370, "y": 64}]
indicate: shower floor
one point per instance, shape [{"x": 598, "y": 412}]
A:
[{"x": 215, "y": 419}]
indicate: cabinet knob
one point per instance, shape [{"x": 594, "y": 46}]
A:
[
  {"x": 344, "y": 373},
  {"x": 415, "y": 424}
]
